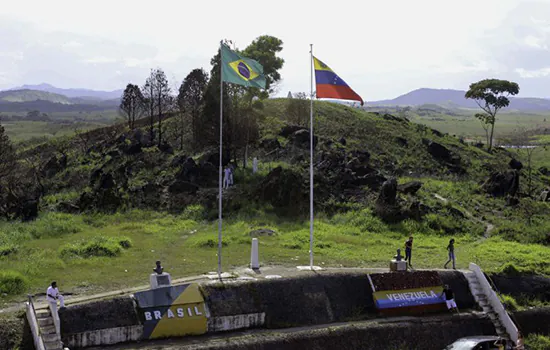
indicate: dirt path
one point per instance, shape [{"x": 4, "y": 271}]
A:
[{"x": 488, "y": 226}]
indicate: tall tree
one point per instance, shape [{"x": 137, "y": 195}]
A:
[
  {"x": 264, "y": 49},
  {"x": 162, "y": 97},
  {"x": 491, "y": 95},
  {"x": 132, "y": 104},
  {"x": 7, "y": 154},
  {"x": 191, "y": 98},
  {"x": 297, "y": 109},
  {"x": 148, "y": 90}
]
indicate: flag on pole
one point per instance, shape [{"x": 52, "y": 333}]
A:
[
  {"x": 330, "y": 85},
  {"x": 241, "y": 70}
]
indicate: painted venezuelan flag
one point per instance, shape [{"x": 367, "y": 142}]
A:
[{"x": 330, "y": 85}]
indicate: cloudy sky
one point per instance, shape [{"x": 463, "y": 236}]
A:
[{"x": 381, "y": 48}]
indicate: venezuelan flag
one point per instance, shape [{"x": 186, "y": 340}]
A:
[{"x": 330, "y": 85}]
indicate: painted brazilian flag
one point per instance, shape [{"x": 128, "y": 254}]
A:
[{"x": 241, "y": 70}]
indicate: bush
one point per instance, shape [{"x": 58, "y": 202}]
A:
[
  {"x": 538, "y": 342},
  {"x": 194, "y": 212},
  {"x": 7, "y": 249},
  {"x": 97, "y": 246},
  {"x": 510, "y": 269},
  {"x": 509, "y": 302},
  {"x": 12, "y": 282}
]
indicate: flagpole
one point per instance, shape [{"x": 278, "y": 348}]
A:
[
  {"x": 220, "y": 171},
  {"x": 311, "y": 164}
]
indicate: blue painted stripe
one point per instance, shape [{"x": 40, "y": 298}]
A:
[
  {"x": 328, "y": 77},
  {"x": 385, "y": 303}
]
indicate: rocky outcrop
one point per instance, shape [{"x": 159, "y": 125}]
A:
[
  {"x": 301, "y": 139},
  {"x": 515, "y": 164},
  {"x": 501, "y": 184},
  {"x": 283, "y": 189},
  {"x": 410, "y": 187}
]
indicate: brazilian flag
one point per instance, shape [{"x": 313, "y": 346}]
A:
[{"x": 241, "y": 70}]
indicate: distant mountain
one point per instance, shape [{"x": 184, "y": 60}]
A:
[
  {"x": 82, "y": 93},
  {"x": 26, "y": 95},
  {"x": 455, "y": 99}
]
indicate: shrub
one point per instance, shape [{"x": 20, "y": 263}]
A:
[
  {"x": 12, "y": 282},
  {"x": 538, "y": 342},
  {"x": 194, "y": 212},
  {"x": 97, "y": 246},
  {"x": 509, "y": 302},
  {"x": 208, "y": 243},
  {"x": 7, "y": 249}
]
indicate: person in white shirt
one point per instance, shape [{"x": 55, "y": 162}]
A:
[
  {"x": 226, "y": 175},
  {"x": 52, "y": 295}
]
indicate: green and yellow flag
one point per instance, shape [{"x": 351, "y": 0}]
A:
[{"x": 241, "y": 70}]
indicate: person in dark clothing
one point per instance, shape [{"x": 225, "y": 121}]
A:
[
  {"x": 449, "y": 296},
  {"x": 408, "y": 250},
  {"x": 451, "y": 249}
]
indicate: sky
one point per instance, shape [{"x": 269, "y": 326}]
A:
[{"x": 382, "y": 49}]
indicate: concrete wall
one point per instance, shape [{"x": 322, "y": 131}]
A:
[{"x": 432, "y": 333}]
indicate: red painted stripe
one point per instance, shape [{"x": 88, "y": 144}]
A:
[{"x": 337, "y": 91}]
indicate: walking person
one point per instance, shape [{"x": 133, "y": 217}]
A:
[
  {"x": 408, "y": 251},
  {"x": 451, "y": 249},
  {"x": 519, "y": 344},
  {"x": 449, "y": 296}
]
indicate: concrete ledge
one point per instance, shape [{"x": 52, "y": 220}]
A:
[
  {"x": 230, "y": 323},
  {"x": 104, "y": 337}
]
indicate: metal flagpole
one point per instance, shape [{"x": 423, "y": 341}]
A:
[
  {"x": 220, "y": 170},
  {"x": 311, "y": 165}
]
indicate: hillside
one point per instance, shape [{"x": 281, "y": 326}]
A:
[
  {"x": 77, "y": 92},
  {"x": 455, "y": 99},
  {"x": 26, "y": 95},
  {"x": 108, "y": 200}
]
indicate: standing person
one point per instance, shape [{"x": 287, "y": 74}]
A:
[
  {"x": 53, "y": 295},
  {"x": 519, "y": 343},
  {"x": 451, "y": 249},
  {"x": 226, "y": 172},
  {"x": 408, "y": 250},
  {"x": 231, "y": 174},
  {"x": 449, "y": 298}
]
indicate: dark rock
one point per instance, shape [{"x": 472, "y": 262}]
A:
[
  {"x": 524, "y": 286},
  {"x": 178, "y": 160},
  {"x": 67, "y": 207},
  {"x": 189, "y": 171},
  {"x": 63, "y": 161},
  {"x": 410, "y": 187},
  {"x": 515, "y": 164},
  {"x": 441, "y": 153},
  {"x": 394, "y": 118},
  {"x": 362, "y": 156},
  {"x": 106, "y": 181},
  {"x": 479, "y": 145},
  {"x": 263, "y": 232},
  {"x": 52, "y": 167},
  {"x": 374, "y": 181},
  {"x": 456, "y": 213},
  {"x": 388, "y": 193},
  {"x": 180, "y": 186},
  {"x": 114, "y": 154},
  {"x": 29, "y": 210},
  {"x": 544, "y": 171},
  {"x": 95, "y": 175},
  {"x": 342, "y": 141},
  {"x": 166, "y": 148},
  {"x": 288, "y": 130},
  {"x": 301, "y": 139},
  {"x": 86, "y": 201},
  {"x": 133, "y": 148},
  {"x": 436, "y": 132},
  {"x": 270, "y": 144},
  {"x": 502, "y": 184},
  {"x": 401, "y": 141},
  {"x": 512, "y": 201},
  {"x": 283, "y": 189}
]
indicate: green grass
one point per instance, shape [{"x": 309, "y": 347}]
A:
[
  {"x": 538, "y": 342},
  {"x": 188, "y": 247}
]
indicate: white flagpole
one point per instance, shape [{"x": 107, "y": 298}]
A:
[
  {"x": 220, "y": 170},
  {"x": 311, "y": 165}
]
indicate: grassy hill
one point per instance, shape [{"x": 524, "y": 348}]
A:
[
  {"x": 74, "y": 93},
  {"x": 32, "y": 95},
  {"x": 113, "y": 201}
]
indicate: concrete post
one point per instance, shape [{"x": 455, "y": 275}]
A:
[{"x": 254, "y": 255}]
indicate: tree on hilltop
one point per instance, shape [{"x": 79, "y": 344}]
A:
[
  {"x": 132, "y": 104},
  {"x": 491, "y": 95},
  {"x": 190, "y": 102}
]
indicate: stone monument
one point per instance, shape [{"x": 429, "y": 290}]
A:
[
  {"x": 159, "y": 278},
  {"x": 397, "y": 263}
]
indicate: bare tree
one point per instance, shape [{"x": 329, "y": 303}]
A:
[
  {"x": 148, "y": 91},
  {"x": 162, "y": 97},
  {"x": 132, "y": 104}
]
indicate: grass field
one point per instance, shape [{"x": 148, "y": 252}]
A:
[{"x": 188, "y": 246}]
